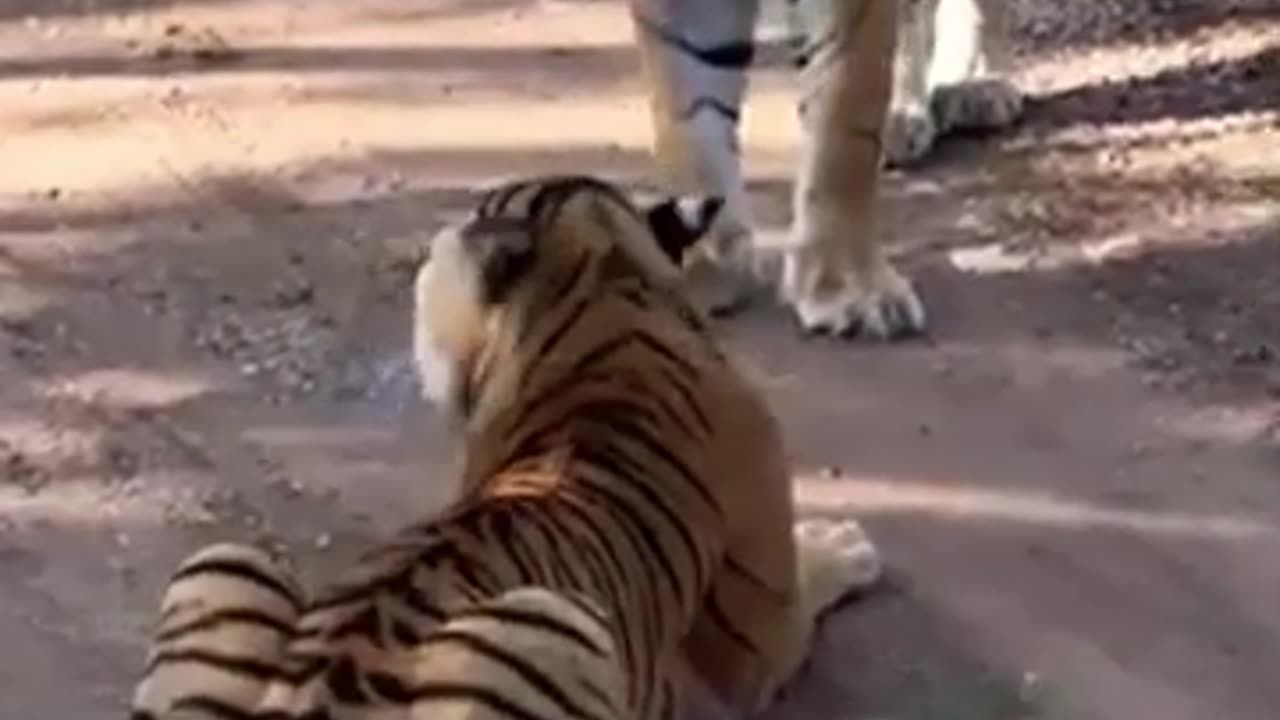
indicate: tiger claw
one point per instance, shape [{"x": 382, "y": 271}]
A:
[{"x": 884, "y": 307}]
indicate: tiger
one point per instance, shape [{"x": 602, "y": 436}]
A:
[
  {"x": 879, "y": 84},
  {"x": 622, "y": 522}
]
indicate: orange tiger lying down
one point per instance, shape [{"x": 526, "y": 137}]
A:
[{"x": 625, "y": 507}]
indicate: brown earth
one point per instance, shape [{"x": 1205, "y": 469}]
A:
[{"x": 210, "y": 211}]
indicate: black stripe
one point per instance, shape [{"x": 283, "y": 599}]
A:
[
  {"x": 554, "y": 392},
  {"x": 213, "y": 707},
  {"x": 472, "y": 694},
  {"x": 343, "y": 680},
  {"x": 638, "y": 539},
  {"x": 715, "y": 105},
  {"x": 668, "y": 692},
  {"x": 343, "y": 594},
  {"x": 726, "y": 56},
  {"x": 403, "y": 588},
  {"x": 535, "y": 621},
  {"x": 604, "y": 576},
  {"x": 550, "y": 200},
  {"x": 505, "y": 534},
  {"x": 556, "y": 559},
  {"x": 230, "y": 663},
  {"x": 589, "y": 609},
  {"x": 389, "y": 688},
  {"x": 658, "y": 346},
  {"x": 496, "y": 203},
  {"x": 617, "y": 463},
  {"x": 599, "y": 695},
  {"x": 525, "y": 668},
  {"x": 562, "y": 289},
  {"x": 717, "y": 614},
  {"x": 656, "y": 396},
  {"x": 628, "y": 429},
  {"x": 470, "y": 569},
  {"x": 365, "y": 623},
  {"x": 302, "y": 664},
  {"x": 543, "y": 350},
  {"x": 688, "y": 396},
  {"x": 249, "y": 616},
  {"x": 406, "y": 634},
  {"x": 243, "y": 571},
  {"x": 635, "y": 381},
  {"x": 642, "y": 337},
  {"x": 733, "y": 565},
  {"x": 638, "y": 294},
  {"x": 633, "y": 527}
]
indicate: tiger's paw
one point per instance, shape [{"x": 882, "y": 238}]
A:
[
  {"x": 720, "y": 290},
  {"x": 909, "y": 135},
  {"x": 882, "y": 304},
  {"x": 720, "y": 275},
  {"x": 836, "y": 558},
  {"x": 985, "y": 104}
]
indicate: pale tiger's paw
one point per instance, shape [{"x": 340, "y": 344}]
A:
[
  {"x": 719, "y": 290},
  {"x": 720, "y": 275},
  {"x": 836, "y": 558},
  {"x": 985, "y": 104},
  {"x": 909, "y": 134},
  {"x": 881, "y": 304}
]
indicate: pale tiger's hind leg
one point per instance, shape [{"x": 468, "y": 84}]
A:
[
  {"x": 967, "y": 66},
  {"x": 225, "y": 619},
  {"x": 530, "y": 652},
  {"x": 949, "y": 74},
  {"x": 696, "y": 56},
  {"x": 835, "y": 273},
  {"x": 910, "y": 130}
]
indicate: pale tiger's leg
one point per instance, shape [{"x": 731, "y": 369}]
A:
[
  {"x": 225, "y": 619},
  {"x": 968, "y": 66},
  {"x": 530, "y": 652},
  {"x": 910, "y": 130},
  {"x": 696, "y": 56},
  {"x": 835, "y": 273}
]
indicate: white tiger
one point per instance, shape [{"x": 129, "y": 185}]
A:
[{"x": 860, "y": 106}]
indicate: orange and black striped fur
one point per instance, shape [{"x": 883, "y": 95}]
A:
[{"x": 618, "y": 467}]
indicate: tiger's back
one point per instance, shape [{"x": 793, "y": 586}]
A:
[{"x": 613, "y": 454}]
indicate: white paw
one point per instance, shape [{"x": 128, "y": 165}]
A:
[
  {"x": 836, "y": 558},
  {"x": 985, "y": 104},
  {"x": 909, "y": 134},
  {"x": 719, "y": 276},
  {"x": 883, "y": 305}
]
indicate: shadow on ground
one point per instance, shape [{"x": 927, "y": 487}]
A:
[{"x": 261, "y": 339}]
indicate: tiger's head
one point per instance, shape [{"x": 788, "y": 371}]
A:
[{"x": 529, "y": 248}]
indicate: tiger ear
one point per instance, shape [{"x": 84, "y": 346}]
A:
[
  {"x": 679, "y": 223},
  {"x": 502, "y": 251}
]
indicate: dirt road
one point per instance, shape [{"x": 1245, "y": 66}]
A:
[{"x": 210, "y": 211}]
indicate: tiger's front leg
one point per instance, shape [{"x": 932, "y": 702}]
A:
[{"x": 835, "y": 273}]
